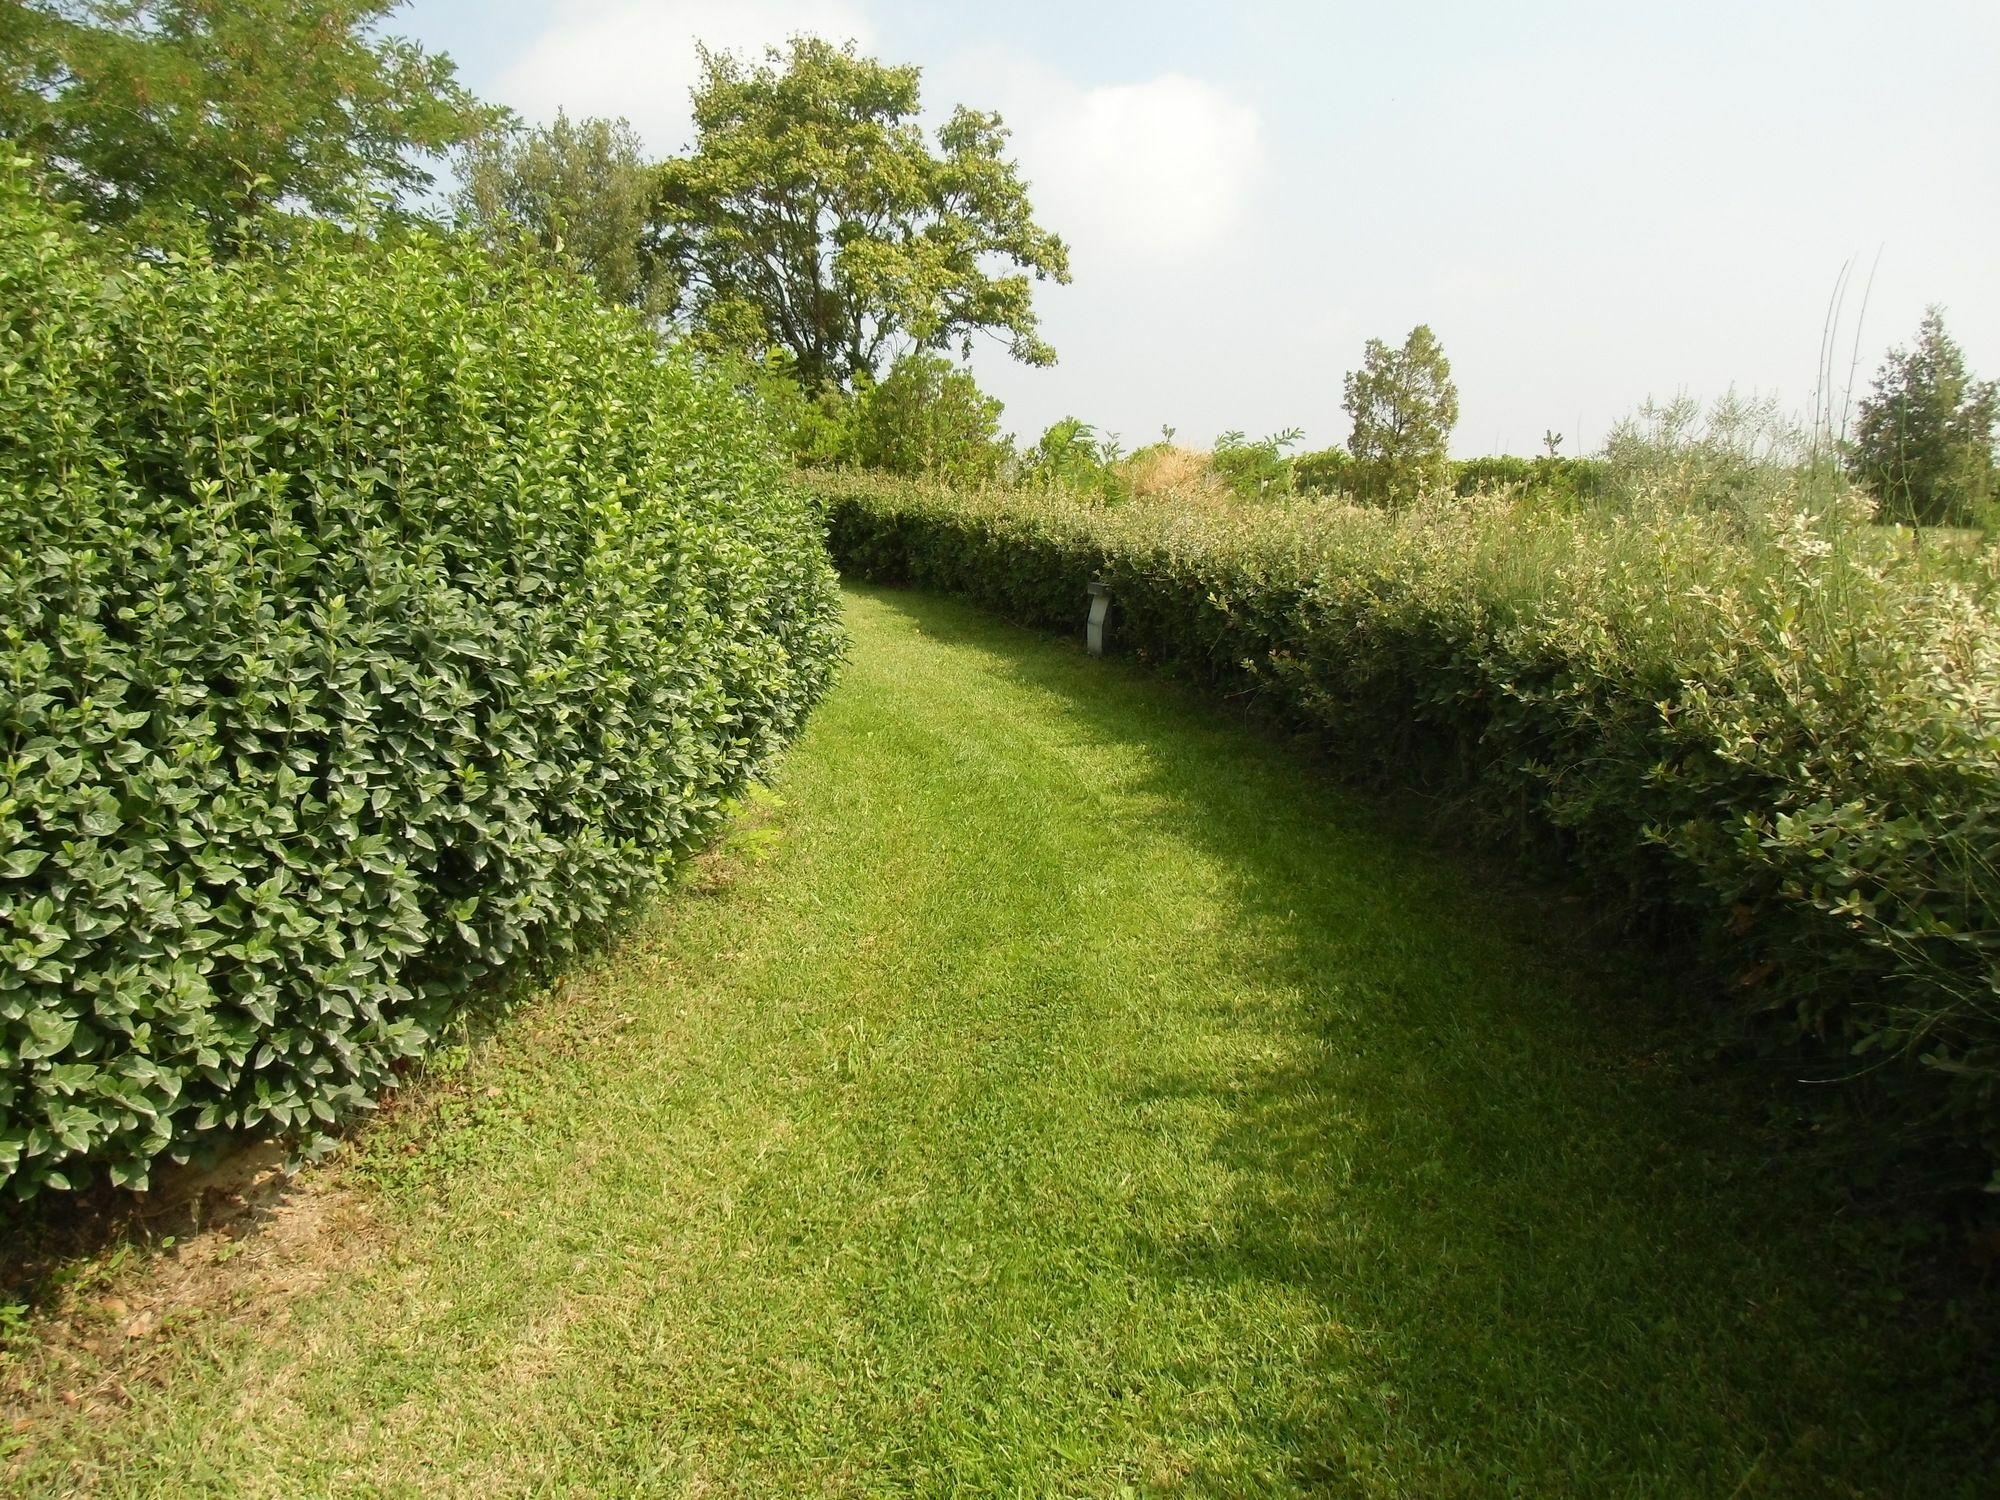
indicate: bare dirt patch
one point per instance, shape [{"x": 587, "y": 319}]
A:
[{"x": 227, "y": 1245}]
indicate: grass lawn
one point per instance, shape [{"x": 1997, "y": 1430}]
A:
[{"x": 1061, "y": 1091}]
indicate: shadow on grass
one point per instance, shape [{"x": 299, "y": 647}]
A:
[{"x": 1550, "y": 1243}]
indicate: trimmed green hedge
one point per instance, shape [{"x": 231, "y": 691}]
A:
[
  {"x": 1324, "y": 471},
  {"x": 370, "y": 616},
  {"x": 1787, "y": 745},
  {"x": 1331, "y": 471},
  {"x": 1562, "y": 478}
]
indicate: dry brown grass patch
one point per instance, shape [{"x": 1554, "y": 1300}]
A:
[
  {"x": 1166, "y": 470},
  {"x": 229, "y": 1245}
]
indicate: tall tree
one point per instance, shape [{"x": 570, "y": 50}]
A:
[
  {"x": 1403, "y": 406},
  {"x": 580, "y": 189},
  {"x": 144, "y": 110},
  {"x": 813, "y": 216},
  {"x": 1923, "y": 440}
]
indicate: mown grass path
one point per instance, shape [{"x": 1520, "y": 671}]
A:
[{"x": 1065, "y": 1093}]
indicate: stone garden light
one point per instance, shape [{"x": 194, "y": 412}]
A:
[{"x": 1100, "y": 609}]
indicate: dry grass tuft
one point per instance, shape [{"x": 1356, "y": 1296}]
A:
[{"x": 1165, "y": 470}]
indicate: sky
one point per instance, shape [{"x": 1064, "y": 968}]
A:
[{"x": 1591, "y": 204}]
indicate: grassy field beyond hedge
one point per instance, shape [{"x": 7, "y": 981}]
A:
[{"x": 1061, "y": 1091}]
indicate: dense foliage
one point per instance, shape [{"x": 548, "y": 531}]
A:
[
  {"x": 1780, "y": 740},
  {"x": 929, "y": 419},
  {"x": 1733, "y": 457},
  {"x": 1324, "y": 471},
  {"x": 145, "y": 112},
  {"x": 1923, "y": 440},
  {"x": 371, "y": 617},
  {"x": 1072, "y": 455},
  {"x": 1255, "y": 469},
  {"x": 1562, "y": 480},
  {"x": 926, "y": 419},
  {"x": 1402, "y": 405},
  {"x": 1332, "y": 471},
  {"x": 814, "y": 216},
  {"x": 579, "y": 191}
]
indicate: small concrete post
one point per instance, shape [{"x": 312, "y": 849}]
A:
[{"x": 1100, "y": 608}]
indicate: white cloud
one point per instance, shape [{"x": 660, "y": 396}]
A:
[
  {"x": 1154, "y": 172},
  {"x": 1148, "y": 173},
  {"x": 636, "y": 58}
]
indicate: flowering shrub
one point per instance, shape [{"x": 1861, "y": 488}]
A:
[
  {"x": 368, "y": 618},
  {"x": 1786, "y": 737}
]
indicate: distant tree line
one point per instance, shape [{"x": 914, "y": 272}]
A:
[{"x": 817, "y": 237}]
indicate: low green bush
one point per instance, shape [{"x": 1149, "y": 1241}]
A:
[
  {"x": 370, "y": 617},
  {"x": 925, "y": 419},
  {"x": 1733, "y": 456},
  {"x": 1071, "y": 455},
  {"x": 1332, "y": 471},
  {"x": 1255, "y": 470},
  {"x": 1562, "y": 479},
  {"x": 928, "y": 418},
  {"x": 1325, "y": 471},
  {"x": 1780, "y": 744}
]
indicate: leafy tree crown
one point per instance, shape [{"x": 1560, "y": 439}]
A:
[
  {"x": 814, "y": 216},
  {"x": 147, "y": 111},
  {"x": 1403, "y": 406},
  {"x": 580, "y": 191}
]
